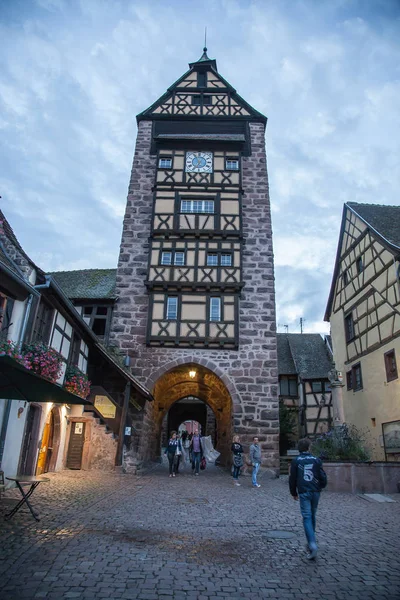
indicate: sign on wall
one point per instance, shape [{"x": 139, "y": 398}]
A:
[{"x": 105, "y": 407}]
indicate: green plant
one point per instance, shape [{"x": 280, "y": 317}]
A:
[
  {"x": 76, "y": 382},
  {"x": 287, "y": 426},
  {"x": 342, "y": 443}
]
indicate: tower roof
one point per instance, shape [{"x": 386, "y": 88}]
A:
[{"x": 189, "y": 85}]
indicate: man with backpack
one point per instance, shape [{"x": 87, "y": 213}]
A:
[{"x": 307, "y": 479}]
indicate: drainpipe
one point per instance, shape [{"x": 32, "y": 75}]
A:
[{"x": 25, "y": 321}]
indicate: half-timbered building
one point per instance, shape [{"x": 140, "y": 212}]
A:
[
  {"x": 364, "y": 312},
  {"x": 195, "y": 274},
  {"x": 304, "y": 361}
]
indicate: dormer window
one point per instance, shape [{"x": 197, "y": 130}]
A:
[
  {"x": 165, "y": 163},
  {"x": 232, "y": 164}
]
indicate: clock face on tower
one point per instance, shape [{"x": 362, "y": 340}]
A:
[{"x": 199, "y": 162}]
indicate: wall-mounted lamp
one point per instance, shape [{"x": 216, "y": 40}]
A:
[{"x": 192, "y": 374}]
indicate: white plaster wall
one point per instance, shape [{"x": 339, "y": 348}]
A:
[{"x": 14, "y": 438}]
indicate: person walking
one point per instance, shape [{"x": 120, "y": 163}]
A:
[
  {"x": 255, "y": 459},
  {"x": 237, "y": 450},
  {"x": 306, "y": 480},
  {"x": 197, "y": 452},
  {"x": 171, "y": 451},
  {"x": 178, "y": 453}
]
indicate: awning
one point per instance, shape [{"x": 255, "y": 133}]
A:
[{"x": 17, "y": 383}]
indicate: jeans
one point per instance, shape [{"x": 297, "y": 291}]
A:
[
  {"x": 172, "y": 462},
  {"x": 196, "y": 461},
  {"x": 256, "y": 466},
  {"x": 236, "y": 472},
  {"x": 308, "y": 507}
]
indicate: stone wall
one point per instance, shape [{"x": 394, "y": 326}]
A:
[{"x": 249, "y": 373}]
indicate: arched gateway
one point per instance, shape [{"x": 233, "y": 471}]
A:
[
  {"x": 195, "y": 279},
  {"x": 193, "y": 381}
]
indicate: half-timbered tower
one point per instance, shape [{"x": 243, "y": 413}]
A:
[
  {"x": 195, "y": 280},
  {"x": 364, "y": 312}
]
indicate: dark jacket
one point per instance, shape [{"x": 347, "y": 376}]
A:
[
  {"x": 306, "y": 474},
  {"x": 172, "y": 447},
  {"x": 237, "y": 448}
]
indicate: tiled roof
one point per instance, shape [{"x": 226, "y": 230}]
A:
[
  {"x": 87, "y": 283},
  {"x": 285, "y": 360},
  {"x": 5, "y": 260},
  {"x": 384, "y": 219},
  {"x": 303, "y": 353}
]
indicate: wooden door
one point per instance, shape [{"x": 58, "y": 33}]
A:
[
  {"x": 75, "y": 448},
  {"x": 29, "y": 449},
  {"x": 46, "y": 447}
]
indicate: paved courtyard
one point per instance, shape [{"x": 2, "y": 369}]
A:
[{"x": 154, "y": 538}]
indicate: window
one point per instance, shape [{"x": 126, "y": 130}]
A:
[
  {"x": 354, "y": 378},
  {"x": 359, "y": 265},
  {"x": 61, "y": 338},
  {"x": 6, "y": 309},
  {"x": 214, "y": 259},
  {"x": 349, "y": 327},
  {"x": 288, "y": 386},
  {"x": 357, "y": 378},
  {"x": 201, "y": 79},
  {"x": 345, "y": 277},
  {"x": 390, "y": 365},
  {"x": 172, "y": 308},
  {"x": 97, "y": 317},
  {"x": 232, "y": 164},
  {"x": 226, "y": 260},
  {"x": 176, "y": 258},
  {"x": 80, "y": 354},
  {"x": 215, "y": 309},
  {"x": 165, "y": 163},
  {"x": 349, "y": 380},
  {"x": 196, "y": 100},
  {"x": 197, "y": 206},
  {"x": 166, "y": 258},
  {"x": 41, "y": 331},
  {"x": 316, "y": 386}
]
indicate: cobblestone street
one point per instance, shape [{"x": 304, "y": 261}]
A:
[{"x": 154, "y": 538}]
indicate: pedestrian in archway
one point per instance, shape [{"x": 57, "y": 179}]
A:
[
  {"x": 255, "y": 459},
  {"x": 178, "y": 453},
  {"x": 170, "y": 451},
  {"x": 237, "y": 450},
  {"x": 197, "y": 452}
]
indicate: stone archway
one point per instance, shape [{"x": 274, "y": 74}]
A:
[{"x": 179, "y": 382}]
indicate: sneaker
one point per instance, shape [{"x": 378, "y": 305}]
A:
[
  {"x": 196, "y": 473},
  {"x": 237, "y": 483},
  {"x": 313, "y": 553},
  {"x": 256, "y": 485},
  {"x": 173, "y": 474},
  {"x": 170, "y": 475}
]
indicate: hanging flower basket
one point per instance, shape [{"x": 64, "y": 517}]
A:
[
  {"x": 43, "y": 361},
  {"x": 10, "y": 348},
  {"x": 77, "y": 382}
]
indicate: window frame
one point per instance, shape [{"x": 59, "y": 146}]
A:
[
  {"x": 219, "y": 254},
  {"x": 345, "y": 276},
  {"x": 173, "y": 262},
  {"x": 290, "y": 380},
  {"x": 350, "y": 333},
  {"x": 191, "y": 202},
  {"x": 167, "y": 308},
  {"x": 211, "y": 318},
  {"x": 391, "y": 375},
  {"x": 231, "y": 160},
  {"x": 161, "y": 158},
  {"x": 359, "y": 265},
  {"x": 351, "y": 378},
  {"x": 202, "y": 79}
]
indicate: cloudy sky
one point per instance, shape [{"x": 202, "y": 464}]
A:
[{"x": 74, "y": 73}]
